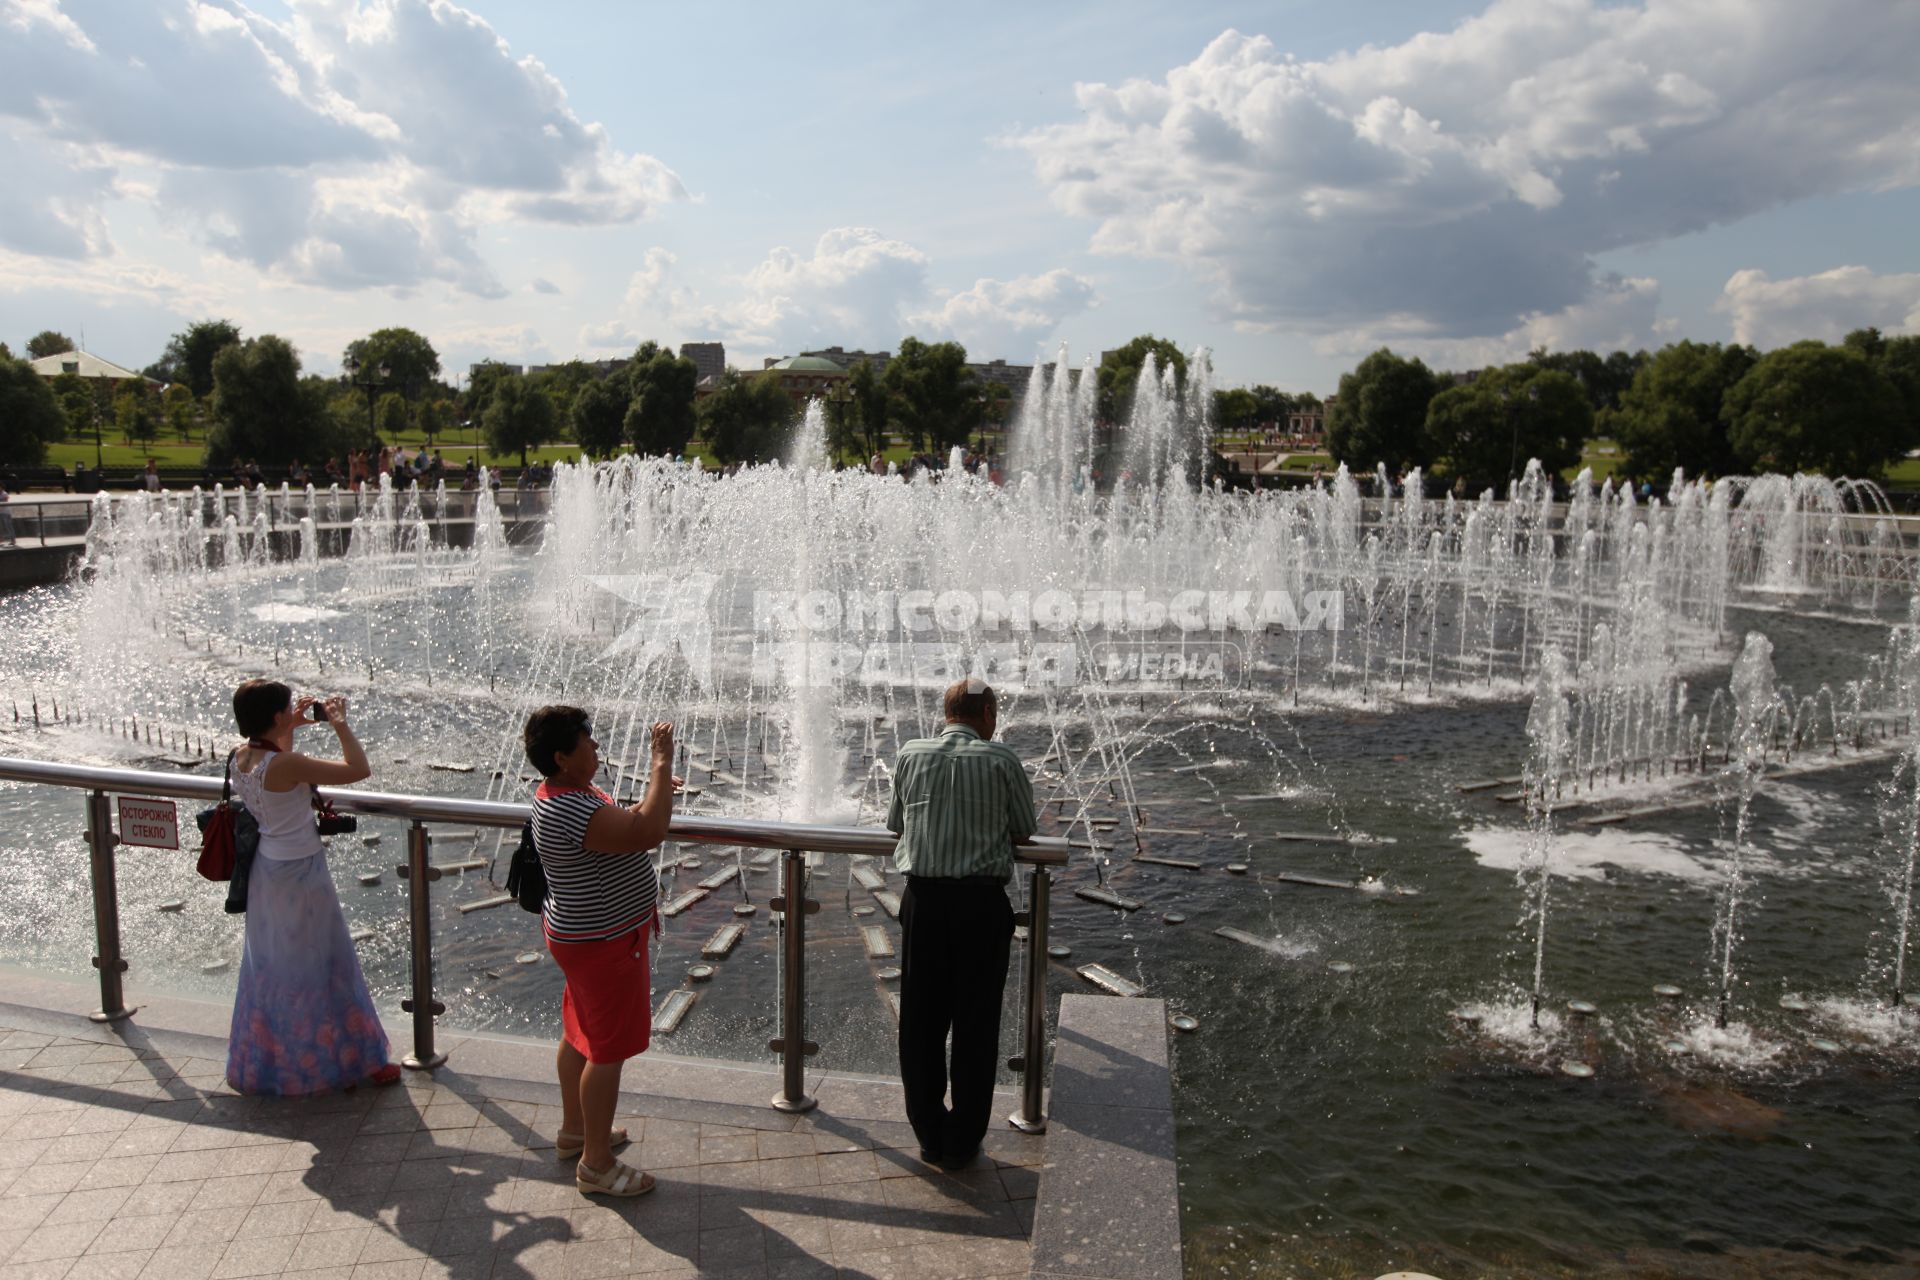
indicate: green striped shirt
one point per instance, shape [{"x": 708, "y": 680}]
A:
[{"x": 958, "y": 805}]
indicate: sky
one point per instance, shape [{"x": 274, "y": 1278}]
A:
[{"x": 1288, "y": 184}]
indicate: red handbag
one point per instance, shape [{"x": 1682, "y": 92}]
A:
[{"x": 219, "y": 845}]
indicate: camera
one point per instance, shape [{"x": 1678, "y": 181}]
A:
[
  {"x": 319, "y": 710},
  {"x": 329, "y": 823}
]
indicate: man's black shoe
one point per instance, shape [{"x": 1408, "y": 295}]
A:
[
  {"x": 929, "y": 1157},
  {"x": 955, "y": 1164}
]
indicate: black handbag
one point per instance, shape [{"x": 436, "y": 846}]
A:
[{"x": 526, "y": 878}]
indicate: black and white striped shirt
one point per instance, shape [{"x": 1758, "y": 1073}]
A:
[{"x": 590, "y": 896}]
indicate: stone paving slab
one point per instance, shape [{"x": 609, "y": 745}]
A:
[
  {"x": 1109, "y": 1205},
  {"x": 125, "y": 1156}
]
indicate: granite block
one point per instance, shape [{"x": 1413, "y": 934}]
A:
[{"x": 1108, "y": 1202}]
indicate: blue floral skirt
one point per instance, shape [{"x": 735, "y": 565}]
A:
[{"x": 303, "y": 1022}]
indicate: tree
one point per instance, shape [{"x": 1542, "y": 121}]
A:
[
  {"x": 433, "y": 417},
  {"x": 133, "y": 412},
  {"x": 872, "y": 407},
  {"x": 390, "y": 415},
  {"x": 1898, "y": 360},
  {"x": 1485, "y": 432},
  {"x": 1119, "y": 373},
  {"x": 1603, "y": 380},
  {"x": 1271, "y": 406},
  {"x": 179, "y": 410},
  {"x": 1380, "y": 415},
  {"x": 660, "y": 417},
  {"x": 80, "y": 402},
  {"x": 1669, "y": 416},
  {"x": 519, "y": 417},
  {"x": 412, "y": 363},
  {"x": 844, "y": 436},
  {"x": 1235, "y": 410},
  {"x": 486, "y": 375},
  {"x": 48, "y": 342},
  {"x": 1622, "y": 369},
  {"x": 996, "y": 398},
  {"x": 30, "y": 415},
  {"x": 935, "y": 398},
  {"x": 1812, "y": 407},
  {"x": 747, "y": 419},
  {"x": 599, "y": 415},
  {"x": 189, "y": 355},
  {"x": 341, "y": 411},
  {"x": 261, "y": 407},
  {"x": 562, "y": 382}
]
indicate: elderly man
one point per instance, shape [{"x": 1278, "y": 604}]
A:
[{"x": 961, "y": 801}]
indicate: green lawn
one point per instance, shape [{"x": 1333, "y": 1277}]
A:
[
  {"x": 115, "y": 454},
  {"x": 1903, "y": 473},
  {"x": 1603, "y": 456}
]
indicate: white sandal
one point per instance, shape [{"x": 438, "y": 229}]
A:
[{"x": 621, "y": 1180}]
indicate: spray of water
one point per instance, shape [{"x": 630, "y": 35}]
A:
[{"x": 1549, "y": 755}]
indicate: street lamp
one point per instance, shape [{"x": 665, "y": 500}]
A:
[
  {"x": 839, "y": 401},
  {"x": 1513, "y": 425},
  {"x": 376, "y": 377}
]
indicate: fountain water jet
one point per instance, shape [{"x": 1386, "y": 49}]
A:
[
  {"x": 1756, "y": 707},
  {"x": 1549, "y": 752}
]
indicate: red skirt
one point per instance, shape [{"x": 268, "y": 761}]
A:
[{"x": 606, "y": 1012}]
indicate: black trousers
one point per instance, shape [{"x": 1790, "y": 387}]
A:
[{"x": 956, "y": 937}]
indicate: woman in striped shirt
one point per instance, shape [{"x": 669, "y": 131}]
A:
[{"x": 602, "y": 895}]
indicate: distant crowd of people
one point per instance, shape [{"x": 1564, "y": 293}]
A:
[
  {"x": 366, "y": 466},
  {"x": 929, "y": 465}
]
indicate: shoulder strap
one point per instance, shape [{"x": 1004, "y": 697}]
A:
[{"x": 226, "y": 782}]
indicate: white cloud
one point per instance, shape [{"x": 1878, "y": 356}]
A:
[
  {"x": 1772, "y": 313},
  {"x": 1461, "y": 182},
  {"x": 852, "y": 290},
  {"x": 859, "y": 288},
  {"x": 648, "y": 298},
  {"x": 1623, "y": 314},
  {"x": 50, "y": 201},
  {"x": 1008, "y": 318},
  {"x": 510, "y": 343},
  {"x": 108, "y": 280},
  {"x": 360, "y": 144}
]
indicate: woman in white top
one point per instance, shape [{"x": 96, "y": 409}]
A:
[{"x": 303, "y": 1022}]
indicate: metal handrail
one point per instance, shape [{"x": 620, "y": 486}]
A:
[
  {"x": 794, "y": 839},
  {"x": 15, "y": 508}
]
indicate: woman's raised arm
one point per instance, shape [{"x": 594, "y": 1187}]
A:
[
  {"x": 644, "y": 825},
  {"x": 289, "y": 769}
]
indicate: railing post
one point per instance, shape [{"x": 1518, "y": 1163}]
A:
[
  {"x": 419, "y": 875},
  {"x": 1030, "y": 1118},
  {"x": 792, "y": 1045},
  {"x": 106, "y": 910}
]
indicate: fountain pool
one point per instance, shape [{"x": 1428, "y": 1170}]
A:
[{"x": 1366, "y": 1087}]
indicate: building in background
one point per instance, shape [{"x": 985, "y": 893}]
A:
[
  {"x": 804, "y": 377},
  {"x": 1310, "y": 421},
  {"x": 848, "y": 360},
  {"x": 709, "y": 358},
  {"x": 83, "y": 364}
]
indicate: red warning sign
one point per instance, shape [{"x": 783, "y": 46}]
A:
[{"x": 152, "y": 823}]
